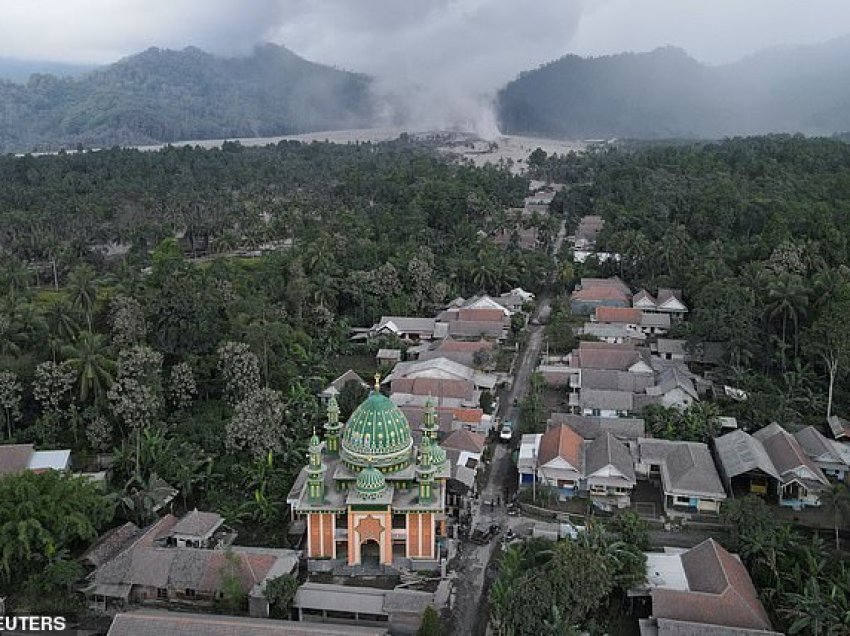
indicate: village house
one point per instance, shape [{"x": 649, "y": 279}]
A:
[
  {"x": 148, "y": 622},
  {"x": 668, "y": 301},
  {"x": 335, "y": 387},
  {"x": 476, "y": 354},
  {"x": 399, "y": 610},
  {"x": 614, "y": 333},
  {"x": 833, "y": 458},
  {"x": 652, "y": 324},
  {"x": 674, "y": 387},
  {"x": 745, "y": 466},
  {"x": 388, "y": 357},
  {"x": 801, "y": 481},
  {"x": 703, "y": 591},
  {"x": 406, "y": 328},
  {"x": 625, "y": 429},
  {"x": 17, "y": 458},
  {"x": 463, "y": 450},
  {"x": 599, "y": 292},
  {"x": 179, "y": 561},
  {"x": 560, "y": 459},
  {"x": 449, "y": 383},
  {"x": 688, "y": 477},
  {"x": 668, "y": 349}
]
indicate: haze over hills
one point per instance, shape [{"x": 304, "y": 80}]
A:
[
  {"x": 17, "y": 70},
  {"x": 164, "y": 95},
  {"x": 667, "y": 93}
]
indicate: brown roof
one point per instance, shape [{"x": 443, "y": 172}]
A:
[
  {"x": 437, "y": 387},
  {"x": 159, "y": 623},
  {"x": 561, "y": 441},
  {"x": 472, "y": 416},
  {"x": 464, "y": 440},
  {"x": 482, "y": 315},
  {"x": 600, "y": 293},
  {"x": 785, "y": 451},
  {"x": 720, "y": 591},
  {"x": 620, "y": 315},
  {"x": 614, "y": 359},
  {"x": 111, "y": 543},
  {"x": 450, "y": 344},
  {"x": 197, "y": 523},
  {"x": 15, "y": 458}
]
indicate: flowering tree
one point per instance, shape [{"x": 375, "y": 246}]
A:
[
  {"x": 240, "y": 369},
  {"x": 127, "y": 320},
  {"x": 52, "y": 383},
  {"x": 257, "y": 423},
  {"x": 182, "y": 388}
]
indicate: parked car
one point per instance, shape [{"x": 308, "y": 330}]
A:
[{"x": 506, "y": 432}]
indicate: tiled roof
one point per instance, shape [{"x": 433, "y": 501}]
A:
[
  {"x": 617, "y": 359},
  {"x": 600, "y": 293},
  {"x": 739, "y": 453},
  {"x": 475, "y": 328},
  {"x": 464, "y": 440},
  {"x": 620, "y": 315},
  {"x": 689, "y": 470},
  {"x": 786, "y": 453},
  {"x": 482, "y": 315},
  {"x": 591, "y": 427},
  {"x": 643, "y": 295},
  {"x": 720, "y": 591},
  {"x": 563, "y": 442},
  {"x": 197, "y": 523},
  {"x": 15, "y": 458},
  {"x": 606, "y": 400},
  {"x": 406, "y": 324},
  {"x": 817, "y": 446},
  {"x": 437, "y": 387},
  {"x": 648, "y": 319},
  {"x": 160, "y": 623},
  {"x": 111, "y": 543},
  {"x": 345, "y": 378},
  {"x": 471, "y": 416},
  {"x": 608, "y": 450}
]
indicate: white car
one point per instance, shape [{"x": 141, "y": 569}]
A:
[{"x": 506, "y": 432}]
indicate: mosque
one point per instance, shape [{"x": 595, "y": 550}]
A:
[{"x": 368, "y": 494}]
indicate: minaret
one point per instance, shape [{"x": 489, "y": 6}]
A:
[
  {"x": 425, "y": 470},
  {"x": 430, "y": 425},
  {"x": 332, "y": 427},
  {"x": 315, "y": 471}
]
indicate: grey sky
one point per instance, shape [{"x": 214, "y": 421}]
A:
[
  {"x": 439, "y": 59},
  {"x": 374, "y": 35}
]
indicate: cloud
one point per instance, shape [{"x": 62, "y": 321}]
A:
[
  {"x": 101, "y": 31},
  {"x": 438, "y": 62}
]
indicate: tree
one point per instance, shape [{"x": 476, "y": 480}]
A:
[
  {"x": 52, "y": 383},
  {"x": 182, "y": 388},
  {"x": 43, "y": 514},
  {"x": 232, "y": 593},
  {"x": 829, "y": 343},
  {"x": 350, "y": 397},
  {"x": 836, "y": 498},
  {"x": 279, "y": 592},
  {"x": 632, "y": 529},
  {"x": 10, "y": 399},
  {"x": 240, "y": 369},
  {"x": 82, "y": 290},
  {"x": 257, "y": 423},
  {"x": 127, "y": 320},
  {"x": 430, "y": 625},
  {"x": 94, "y": 369}
]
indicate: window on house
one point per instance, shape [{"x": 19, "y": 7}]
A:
[
  {"x": 683, "y": 501},
  {"x": 161, "y": 592},
  {"x": 190, "y": 593}
]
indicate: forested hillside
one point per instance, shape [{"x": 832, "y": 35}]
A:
[
  {"x": 163, "y": 95},
  {"x": 666, "y": 93}
]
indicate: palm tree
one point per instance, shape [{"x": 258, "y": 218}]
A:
[
  {"x": 82, "y": 291},
  {"x": 787, "y": 296},
  {"x": 94, "y": 368}
]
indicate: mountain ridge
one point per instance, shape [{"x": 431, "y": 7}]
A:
[{"x": 163, "y": 95}]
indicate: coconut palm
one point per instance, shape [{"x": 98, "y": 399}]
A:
[
  {"x": 82, "y": 290},
  {"x": 94, "y": 368},
  {"x": 837, "y": 499}
]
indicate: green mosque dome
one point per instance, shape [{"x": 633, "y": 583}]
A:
[
  {"x": 370, "y": 483},
  {"x": 377, "y": 433},
  {"x": 438, "y": 455}
]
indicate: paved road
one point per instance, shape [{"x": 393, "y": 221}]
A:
[{"x": 469, "y": 611}]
